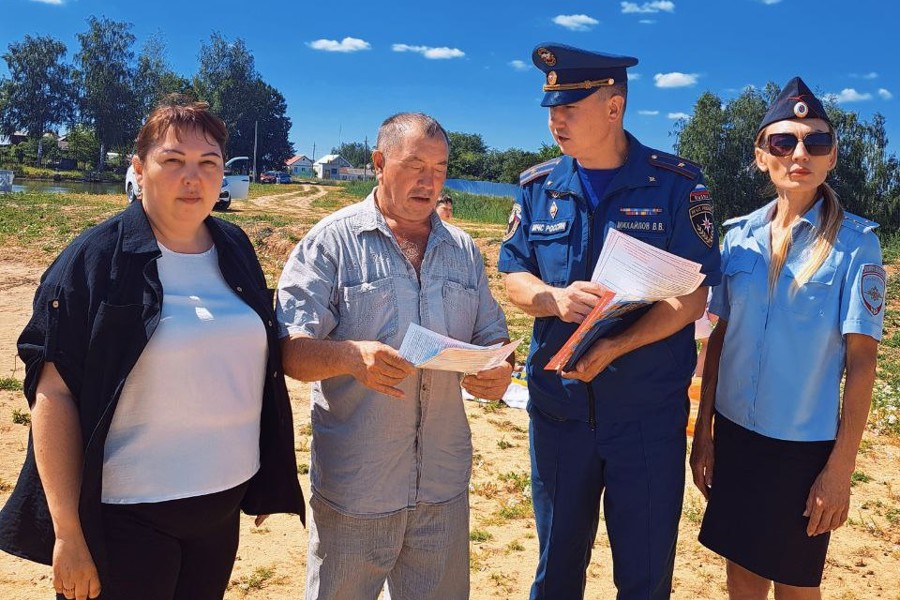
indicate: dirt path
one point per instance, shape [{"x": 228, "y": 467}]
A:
[{"x": 295, "y": 202}]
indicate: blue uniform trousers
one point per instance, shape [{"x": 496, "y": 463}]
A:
[{"x": 637, "y": 467}]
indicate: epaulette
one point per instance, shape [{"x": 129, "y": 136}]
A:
[
  {"x": 682, "y": 166},
  {"x": 538, "y": 170},
  {"x": 859, "y": 224}
]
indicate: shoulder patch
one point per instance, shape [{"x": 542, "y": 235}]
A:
[
  {"x": 682, "y": 166},
  {"x": 859, "y": 224},
  {"x": 539, "y": 170},
  {"x": 872, "y": 288}
]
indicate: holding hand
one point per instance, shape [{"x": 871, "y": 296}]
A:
[
  {"x": 379, "y": 367},
  {"x": 489, "y": 384},
  {"x": 597, "y": 358},
  {"x": 575, "y": 302}
]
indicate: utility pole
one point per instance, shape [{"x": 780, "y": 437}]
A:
[
  {"x": 255, "y": 132},
  {"x": 366, "y": 160}
]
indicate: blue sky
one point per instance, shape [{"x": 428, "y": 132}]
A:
[{"x": 344, "y": 66}]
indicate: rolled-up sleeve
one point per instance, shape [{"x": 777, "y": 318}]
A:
[
  {"x": 58, "y": 331},
  {"x": 306, "y": 303}
]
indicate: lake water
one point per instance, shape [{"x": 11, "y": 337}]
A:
[{"x": 67, "y": 187}]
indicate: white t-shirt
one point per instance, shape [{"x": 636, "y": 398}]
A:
[{"x": 188, "y": 420}]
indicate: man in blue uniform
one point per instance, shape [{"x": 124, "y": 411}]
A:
[{"x": 614, "y": 427}]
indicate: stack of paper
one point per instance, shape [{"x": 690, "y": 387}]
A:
[{"x": 634, "y": 274}]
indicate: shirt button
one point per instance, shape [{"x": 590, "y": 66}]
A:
[
  {"x": 240, "y": 289},
  {"x": 270, "y": 323},
  {"x": 55, "y": 304},
  {"x": 274, "y": 374}
]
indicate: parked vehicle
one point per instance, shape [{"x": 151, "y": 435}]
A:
[
  {"x": 268, "y": 177},
  {"x": 283, "y": 177},
  {"x": 234, "y": 187}
]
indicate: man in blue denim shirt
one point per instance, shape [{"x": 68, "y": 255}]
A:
[{"x": 392, "y": 450}]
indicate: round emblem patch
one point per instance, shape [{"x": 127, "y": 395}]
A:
[
  {"x": 548, "y": 57},
  {"x": 551, "y": 78},
  {"x": 801, "y": 110},
  {"x": 515, "y": 217}
]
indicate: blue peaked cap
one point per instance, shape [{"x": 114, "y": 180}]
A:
[{"x": 573, "y": 74}]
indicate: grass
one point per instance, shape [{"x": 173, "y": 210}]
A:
[
  {"x": 480, "y": 536},
  {"x": 21, "y": 417},
  {"x": 303, "y": 468},
  {"x": 481, "y": 209},
  {"x": 516, "y": 482},
  {"x": 859, "y": 477},
  {"x": 261, "y": 578},
  {"x": 516, "y": 510},
  {"x": 10, "y": 384}
]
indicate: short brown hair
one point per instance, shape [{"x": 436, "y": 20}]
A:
[{"x": 183, "y": 114}]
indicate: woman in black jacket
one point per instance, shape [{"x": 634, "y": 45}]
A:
[{"x": 153, "y": 372}]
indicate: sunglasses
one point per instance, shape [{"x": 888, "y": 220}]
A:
[{"x": 783, "y": 144}]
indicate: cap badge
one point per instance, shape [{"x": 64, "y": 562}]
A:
[
  {"x": 551, "y": 78},
  {"x": 801, "y": 110},
  {"x": 548, "y": 57},
  {"x": 553, "y": 210}
]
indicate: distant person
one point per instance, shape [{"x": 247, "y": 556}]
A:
[
  {"x": 392, "y": 450},
  {"x": 153, "y": 372},
  {"x": 444, "y": 207},
  {"x": 801, "y": 305},
  {"x": 613, "y": 428}
]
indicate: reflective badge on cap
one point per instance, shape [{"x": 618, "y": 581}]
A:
[
  {"x": 871, "y": 286},
  {"x": 548, "y": 57},
  {"x": 801, "y": 110},
  {"x": 551, "y": 78},
  {"x": 515, "y": 217},
  {"x": 701, "y": 219}
]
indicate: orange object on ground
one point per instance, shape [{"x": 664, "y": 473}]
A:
[{"x": 694, "y": 395}]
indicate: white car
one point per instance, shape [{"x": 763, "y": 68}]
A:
[{"x": 234, "y": 187}]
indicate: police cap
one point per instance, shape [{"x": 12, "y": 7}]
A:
[
  {"x": 573, "y": 74},
  {"x": 795, "y": 101}
]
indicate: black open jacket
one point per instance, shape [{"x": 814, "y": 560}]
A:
[{"x": 96, "y": 308}]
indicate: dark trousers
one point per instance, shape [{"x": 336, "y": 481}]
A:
[
  {"x": 175, "y": 550},
  {"x": 637, "y": 467}
]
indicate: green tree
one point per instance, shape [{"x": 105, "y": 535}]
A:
[
  {"x": 228, "y": 80},
  {"x": 83, "y": 146},
  {"x": 357, "y": 154},
  {"x": 38, "y": 94},
  {"x": 106, "y": 75},
  {"x": 468, "y": 156},
  {"x": 154, "y": 78}
]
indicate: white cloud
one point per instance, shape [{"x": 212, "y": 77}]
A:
[
  {"x": 648, "y": 7},
  {"x": 675, "y": 79},
  {"x": 647, "y": 21},
  {"x": 648, "y": 113},
  {"x": 767, "y": 2},
  {"x": 869, "y": 75},
  {"x": 576, "y": 22},
  {"x": 634, "y": 76},
  {"x": 430, "y": 52},
  {"x": 53, "y": 2},
  {"x": 518, "y": 65},
  {"x": 885, "y": 94},
  {"x": 850, "y": 95},
  {"x": 348, "y": 44},
  {"x": 678, "y": 115}
]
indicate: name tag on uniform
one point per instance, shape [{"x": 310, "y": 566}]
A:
[
  {"x": 649, "y": 226},
  {"x": 549, "y": 228}
]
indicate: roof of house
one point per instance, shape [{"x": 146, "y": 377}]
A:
[
  {"x": 295, "y": 159},
  {"x": 330, "y": 158}
]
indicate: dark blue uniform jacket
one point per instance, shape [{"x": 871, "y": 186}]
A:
[{"x": 656, "y": 197}]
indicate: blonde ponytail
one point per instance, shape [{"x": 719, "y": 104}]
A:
[{"x": 831, "y": 218}]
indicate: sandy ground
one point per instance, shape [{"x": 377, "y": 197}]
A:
[{"x": 864, "y": 561}]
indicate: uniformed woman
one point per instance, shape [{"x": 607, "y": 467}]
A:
[{"x": 801, "y": 304}]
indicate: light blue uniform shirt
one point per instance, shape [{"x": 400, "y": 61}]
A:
[
  {"x": 784, "y": 354},
  {"x": 373, "y": 454}
]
